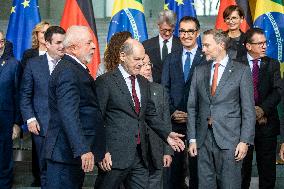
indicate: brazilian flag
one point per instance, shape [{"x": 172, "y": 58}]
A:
[{"x": 128, "y": 15}]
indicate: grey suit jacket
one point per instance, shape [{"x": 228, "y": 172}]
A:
[
  {"x": 232, "y": 107},
  {"x": 158, "y": 148},
  {"x": 121, "y": 121}
]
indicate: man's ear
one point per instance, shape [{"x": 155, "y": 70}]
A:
[{"x": 122, "y": 56}]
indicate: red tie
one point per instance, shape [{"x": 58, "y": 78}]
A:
[
  {"x": 136, "y": 102},
  {"x": 215, "y": 79}
]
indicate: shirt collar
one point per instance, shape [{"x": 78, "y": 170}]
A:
[
  {"x": 77, "y": 60},
  {"x": 223, "y": 62},
  {"x": 250, "y": 58},
  {"x": 49, "y": 58},
  {"x": 124, "y": 73},
  {"x": 192, "y": 51},
  {"x": 162, "y": 40}
]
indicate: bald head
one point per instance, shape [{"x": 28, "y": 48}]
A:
[
  {"x": 79, "y": 43},
  {"x": 132, "y": 54}
]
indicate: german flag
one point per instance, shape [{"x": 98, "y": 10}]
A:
[
  {"x": 80, "y": 12},
  {"x": 220, "y": 24}
]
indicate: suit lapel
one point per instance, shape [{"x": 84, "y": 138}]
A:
[
  {"x": 44, "y": 65},
  {"x": 121, "y": 84},
  {"x": 262, "y": 69},
  {"x": 156, "y": 46},
  {"x": 143, "y": 92},
  {"x": 207, "y": 75},
  {"x": 3, "y": 64},
  {"x": 227, "y": 72},
  {"x": 196, "y": 60}
]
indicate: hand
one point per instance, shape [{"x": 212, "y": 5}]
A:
[
  {"x": 179, "y": 116},
  {"x": 281, "y": 152},
  {"x": 34, "y": 127},
  {"x": 262, "y": 120},
  {"x": 106, "y": 164},
  {"x": 175, "y": 142},
  {"x": 167, "y": 160},
  {"x": 88, "y": 162},
  {"x": 258, "y": 112},
  {"x": 241, "y": 151},
  {"x": 192, "y": 149},
  {"x": 16, "y": 131}
]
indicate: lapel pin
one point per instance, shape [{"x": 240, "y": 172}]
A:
[
  {"x": 154, "y": 94},
  {"x": 230, "y": 71}
]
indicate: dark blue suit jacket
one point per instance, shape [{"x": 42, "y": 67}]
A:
[
  {"x": 9, "y": 97},
  {"x": 75, "y": 125},
  {"x": 34, "y": 92},
  {"x": 173, "y": 80}
]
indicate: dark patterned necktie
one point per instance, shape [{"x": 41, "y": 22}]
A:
[
  {"x": 255, "y": 73},
  {"x": 136, "y": 102},
  {"x": 164, "y": 50}
]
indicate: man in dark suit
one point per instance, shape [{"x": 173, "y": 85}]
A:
[
  {"x": 159, "y": 152},
  {"x": 7, "y": 51},
  {"x": 176, "y": 77},
  {"x": 221, "y": 114},
  {"x": 125, "y": 103},
  {"x": 34, "y": 91},
  {"x": 266, "y": 76},
  {"x": 10, "y": 118},
  {"x": 75, "y": 134},
  {"x": 160, "y": 46}
]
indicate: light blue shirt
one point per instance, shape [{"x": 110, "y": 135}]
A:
[{"x": 184, "y": 56}]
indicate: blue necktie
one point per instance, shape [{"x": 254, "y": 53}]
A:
[{"x": 186, "y": 67}]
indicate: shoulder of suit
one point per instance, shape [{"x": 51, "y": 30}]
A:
[
  {"x": 269, "y": 60},
  {"x": 150, "y": 41},
  {"x": 36, "y": 59}
]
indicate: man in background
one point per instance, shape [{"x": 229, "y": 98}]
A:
[{"x": 160, "y": 46}]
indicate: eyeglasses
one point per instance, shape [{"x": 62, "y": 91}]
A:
[
  {"x": 260, "y": 44},
  {"x": 190, "y": 31},
  {"x": 148, "y": 64},
  {"x": 167, "y": 30},
  {"x": 233, "y": 18}
]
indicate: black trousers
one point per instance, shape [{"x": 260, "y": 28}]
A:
[
  {"x": 265, "y": 148},
  {"x": 135, "y": 176}
]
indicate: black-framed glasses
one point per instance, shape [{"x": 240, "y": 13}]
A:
[
  {"x": 260, "y": 44},
  {"x": 167, "y": 30},
  {"x": 190, "y": 31}
]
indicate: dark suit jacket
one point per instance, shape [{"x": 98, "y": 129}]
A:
[
  {"x": 34, "y": 92},
  {"x": 75, "y": 125},
  {"x": 173, "y": 81},
  {"x": 29, "y": 53},
  {"x": 237, "y": 48},
  {"x": 152, "y": 48},
  {"x": 121, "y": 121},
  {"x": 269, "y": 97},
  {"x": 158, "y": 148},
  {"x": 231, "y": 108},
  {"x": 9, "y": 95},
  {"x": 8, "y": 51}
]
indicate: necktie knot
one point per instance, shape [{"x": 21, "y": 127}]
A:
[
  {"x": 132, "y": 77},
  {"x": 216, "y": 65},
  {"x": 165, "y": 42},
  {"x": 255, "y": 62}
]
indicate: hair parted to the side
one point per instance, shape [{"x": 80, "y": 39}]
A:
[
  {"x": 219, "y": 36},
  {"x": 168, "y": 17},
  {"x": 53, "y": 30}
]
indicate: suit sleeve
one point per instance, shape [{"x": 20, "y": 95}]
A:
[
  {"x": 68, "y": 100},
  {"x": 27, "y": 86},
  {"x": 273, "y": 99},
  {"x": 166, "y": 82},
  {"x": 167, "y": 119},
  {"x": 247, "y": 105},
  {"x": 191, "y": 107},
  {"x": 154, "y": 121},
  {"x": 18, "y": 117}
]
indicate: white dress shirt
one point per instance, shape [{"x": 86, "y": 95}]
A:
[
  {"x": 184, "y": 56},
  {"x": 77, "y": 60},
  {"x": 169, "y": 45},
  {"x": 51, "y": 63},
  {"x": 128, "y": 83},
  {"x": 221, "y": 69},
  {"x": 250, "y": 59}
]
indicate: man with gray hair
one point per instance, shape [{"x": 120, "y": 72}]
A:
[
  {"x": 221, "y": 114},
  {"x": 160, "y": 46},
  {"x": 75, "y": 135}
]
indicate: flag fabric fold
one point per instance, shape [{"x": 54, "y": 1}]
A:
[
  {"x": 244, "y": 4},
  {"x": 128, "y": 15},
  {"x": 181, "y": 8},
  {"x": 23, "y": 18},
  {"x": 80, "y": 12}
]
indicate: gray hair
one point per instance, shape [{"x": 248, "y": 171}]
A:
[
  {"x": 167, "y": 16},
  {"x": 219, "y": 36},
  {"x": 74, "y": 35},
  {"x": 126, "y": 48}
]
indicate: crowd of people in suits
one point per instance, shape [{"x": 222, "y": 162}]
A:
[{"x": 158, "y": 113}]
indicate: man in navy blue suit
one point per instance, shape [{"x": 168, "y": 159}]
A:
[
  {"x": 176, "y": 77},
  {"x": 34, "y": 91},
  {"x": 9, "y": 112},
  {"x": 75, "y": 135}
]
